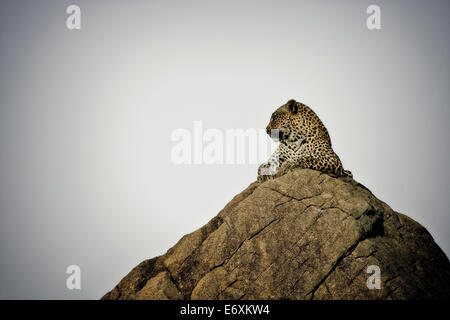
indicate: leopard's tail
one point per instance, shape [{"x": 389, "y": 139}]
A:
[{"x": 348, "y": 173}]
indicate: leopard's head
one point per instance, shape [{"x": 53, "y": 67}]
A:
[{"x": 280, "y": 126}]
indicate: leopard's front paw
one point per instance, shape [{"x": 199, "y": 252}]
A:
[{"x": 266, "y": 171}]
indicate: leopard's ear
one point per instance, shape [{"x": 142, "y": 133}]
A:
[{"x": 293, "y": 106}]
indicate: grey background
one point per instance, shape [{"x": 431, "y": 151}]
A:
[{"x": 86, "y": 118}]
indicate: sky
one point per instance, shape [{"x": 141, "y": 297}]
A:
[{"x": 87, "y": 117}]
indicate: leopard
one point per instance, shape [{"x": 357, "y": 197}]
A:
[{"x": 304, "y": 143}]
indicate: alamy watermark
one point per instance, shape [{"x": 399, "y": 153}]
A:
[
  {"x": 73, "y": 21},
  {"x": 373, "y": 21},
  {"x": 216, "y": 146},
  {"x": 73, "y": 281},
  {"x": 374, "y": 281}
]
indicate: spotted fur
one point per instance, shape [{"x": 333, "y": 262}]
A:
[{"x": 304, "y": 143}]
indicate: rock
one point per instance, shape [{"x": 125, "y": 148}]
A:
[{"x": 304, "y": 235}]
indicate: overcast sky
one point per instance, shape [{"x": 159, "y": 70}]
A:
[{"x": 86, "y": 119}]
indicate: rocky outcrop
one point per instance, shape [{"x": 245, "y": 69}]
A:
[{"x": 304, "y": 235}]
